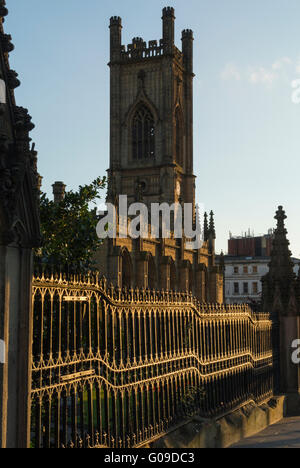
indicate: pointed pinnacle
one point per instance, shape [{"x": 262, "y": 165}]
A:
[
  {"x": 212, "y": 230},
  {"x": 206, "y": 232}
]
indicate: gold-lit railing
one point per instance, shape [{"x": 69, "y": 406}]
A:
[{"x": 118, "y": 368}]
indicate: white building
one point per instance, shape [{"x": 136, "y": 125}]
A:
[{"x": 243, "y": 278}]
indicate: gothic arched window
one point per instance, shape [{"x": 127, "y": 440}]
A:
[
  {"x": 178, "y": 139},
  {"x": 143, "y": 134}
]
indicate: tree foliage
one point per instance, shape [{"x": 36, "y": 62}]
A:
[{"x": 69, "y": 227}]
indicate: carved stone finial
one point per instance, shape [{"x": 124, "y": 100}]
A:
[
  {"x": 6, "y": 44},
  {"x": 13, "y": 81},
  {"x": 23, "y": 120},
  {"x": 280, "y": 217}
]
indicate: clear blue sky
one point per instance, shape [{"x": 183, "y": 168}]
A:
[{"x": 247, "y": 130}]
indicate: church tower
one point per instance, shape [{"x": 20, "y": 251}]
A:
[
  {"x": 151, "y": 134},
  {"x": 151, "y": 161}
]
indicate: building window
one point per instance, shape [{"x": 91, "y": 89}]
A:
[
  {"x": 236, "y": 288},
  {"x": 255, "y": 288},
  {"x": 236, "y": 270},
  {"x": 245, "y": 288},
  {"x": 143, "y": 134},
  {"x": 254, "y": 269},
  {"x": 245, "y": 269}
]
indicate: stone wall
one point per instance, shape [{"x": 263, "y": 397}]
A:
[{"x": 226, "y": 431}]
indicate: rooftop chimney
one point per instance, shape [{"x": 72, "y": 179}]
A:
[{"x": 59, "y": 190}]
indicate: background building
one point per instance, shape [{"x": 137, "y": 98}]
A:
[
  {"x": 250, "y": 245},
  {"x": 246, "y": 263}
]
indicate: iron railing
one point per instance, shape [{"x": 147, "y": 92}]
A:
[{"x": 116, "y": 368}]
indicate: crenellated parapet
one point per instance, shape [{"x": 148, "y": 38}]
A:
[{"x": 138, "y": 50}]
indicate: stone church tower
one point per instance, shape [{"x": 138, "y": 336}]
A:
[{"x": 151, "y": 161}]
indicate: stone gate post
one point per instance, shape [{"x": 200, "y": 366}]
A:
[
  {"x": 281, "y": 298},
  {"x": 19, "y": 234}
]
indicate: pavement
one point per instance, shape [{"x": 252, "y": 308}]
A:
[{"x": 285, "y": 434}]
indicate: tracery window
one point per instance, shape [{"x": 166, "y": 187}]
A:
[{"x": 143, "y": 134}]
